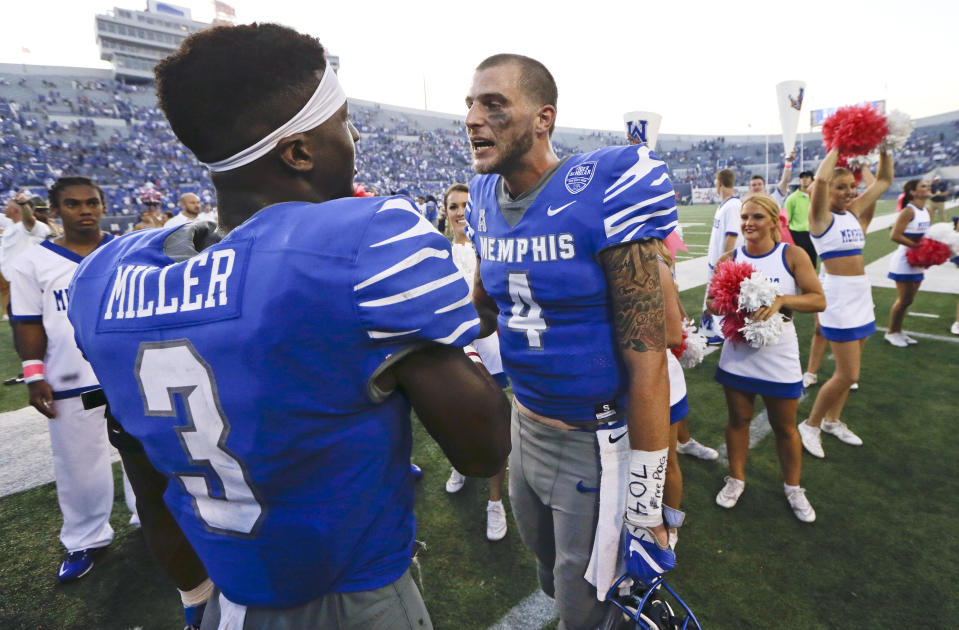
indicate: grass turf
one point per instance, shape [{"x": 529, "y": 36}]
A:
[{"x": 879, "y": 554}]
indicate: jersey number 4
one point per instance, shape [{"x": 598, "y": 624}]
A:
[
  {"x": 166, "y": 369},
  {"x": 526, "y": 315}
]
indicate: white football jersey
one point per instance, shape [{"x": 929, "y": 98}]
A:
[
  {"x": 38, "y": 292},
  {"x": 726, "y": 221}
]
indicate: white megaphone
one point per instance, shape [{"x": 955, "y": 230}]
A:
[
  {"x": 789, "y": 96},
  {"x": 642, "y": 128}
]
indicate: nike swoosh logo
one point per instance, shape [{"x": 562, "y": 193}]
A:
[
  {"x": 550, "y": 212},
  {"x": 584, "y": 488},
  {"x": 613, "y": 440}
]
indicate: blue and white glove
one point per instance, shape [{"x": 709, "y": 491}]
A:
[{"x": 645, "y": 559}]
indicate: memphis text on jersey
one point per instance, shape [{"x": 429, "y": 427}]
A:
[{"x": 536, "y": 248}]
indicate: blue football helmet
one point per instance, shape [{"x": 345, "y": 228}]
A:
[{"x": 648, "y": 608}]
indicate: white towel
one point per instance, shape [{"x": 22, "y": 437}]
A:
[
  {"x": 232, "y": 616},
  {"x": 606, "y": 562}
]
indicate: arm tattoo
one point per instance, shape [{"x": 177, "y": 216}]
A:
[{"x": 636, "y": 296}]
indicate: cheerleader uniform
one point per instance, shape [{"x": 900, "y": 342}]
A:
[
  {"x": 772, "y": 370},
  {"x": 678, "y": 404},
  {"x": 849, "y": 308},
  {"x": 464, "y": 257},
  {"x": 899, "y": 268}
]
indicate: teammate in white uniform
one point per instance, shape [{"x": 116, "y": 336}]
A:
[
  {"x": 910, "y": 225},
  {"x": 464, "y": 257},
  {"x": 57, "y": 374},
  {"x": 724, "y": 237},
  {"x": 838, "y": 219},
  {"x": 772, "y": 371}
]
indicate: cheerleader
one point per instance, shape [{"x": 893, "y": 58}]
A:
[
  {"x": 464, "y": 256},
  {"x": 772, "y": 371},
  {"x": 838, "y": 219},
  {"x": 909, "y": 227},
  {"x": 678, "y": 403}
]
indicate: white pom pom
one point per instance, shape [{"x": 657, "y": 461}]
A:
[
  {"x": 900, "y": 128},
  {"x": 764, "y": 333},
  {"x": 858, "y": 161},
  {"x": 695, "y": 348},
  {"x": 757, "y": 291},
  {"x": 944, "y": 233}
]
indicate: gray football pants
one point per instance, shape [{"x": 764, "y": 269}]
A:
[
  {"x": 396, "y": 606},
  {"x": 553, "y": 489}
]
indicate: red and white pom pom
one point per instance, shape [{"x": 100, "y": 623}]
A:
[
  {"x": 732, "y": 327},
  {"x": 681, "y": 348},
  {"x": 854, "y": 130},
  {"x": 929, "y": 253},
  {"x": 944, "y": 233},
  {"x": 765, "y": 333},
  {"x": 900, "y": 128},
  {"x": 724, "y": 287},
  {"x": 694, "y": 347},
  {"x": 757, "y": 291}
]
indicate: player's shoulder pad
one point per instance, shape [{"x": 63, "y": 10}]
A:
[{"x": 638, "y": 200}]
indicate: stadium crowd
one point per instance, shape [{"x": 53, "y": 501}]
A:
[{"x": 116, "y": 133}]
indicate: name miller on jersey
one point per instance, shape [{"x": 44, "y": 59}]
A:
[
  {"x": 141, "y": 290},
  {"x": 540, "y": 248}
]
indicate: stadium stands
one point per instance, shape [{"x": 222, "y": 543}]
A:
[{"x": 68, "y": 122}]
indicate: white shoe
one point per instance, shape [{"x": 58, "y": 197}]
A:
[
  {"x": 495, "y": 520},
  {"x": 908, "y": 339},
  {"x": 841, "y": 431},
  {"x": 955, "y": 328},
  {"x": 455, "y": 483},
  {"x": 694, "y": 448},
  {"x": 854, "y": 387},
  {"x": 809, "y": 379},
  {"x": 800, "y": 505},
  {"x": 896, "y": 339},
  {"x": 731, "y": 492},
  {"x": 811, "y": 439}
]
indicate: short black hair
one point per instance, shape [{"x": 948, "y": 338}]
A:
[
  {"x": 71, "y": 180},
  {"x": 807, "y": 174},
  {"x": 759, "y": 177},
  {"x": 226, "y": 83},
  {"x": 535, "y": 80}
]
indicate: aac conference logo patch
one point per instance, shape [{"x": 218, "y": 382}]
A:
[{"x": 579, "y": 176}]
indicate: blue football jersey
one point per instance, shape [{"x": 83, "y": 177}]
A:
[
  {"x": 555, "y": 325},
  {"x": 247, "y": 369}
]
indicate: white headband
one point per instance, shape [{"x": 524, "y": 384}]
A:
[{"x": 326, "y": 101}]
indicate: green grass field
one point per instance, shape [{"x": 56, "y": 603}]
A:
[{"x": 879, "y": 554}]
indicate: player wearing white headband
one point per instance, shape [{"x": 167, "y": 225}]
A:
[{"x": 270, "y": 374}]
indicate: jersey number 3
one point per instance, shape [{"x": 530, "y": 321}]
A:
[
  {"x": 166, "y": 369},
  {"x": 526, "y": 315}
]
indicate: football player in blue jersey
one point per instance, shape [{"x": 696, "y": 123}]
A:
[
  {"x": 568, "y": 274},
  {"x": 270, "y": 374}
]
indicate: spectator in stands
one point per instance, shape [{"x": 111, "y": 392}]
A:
[
  {"x": 189, "y": 210},
  {"x": 937, "y": 203},
  {"x": 430, "y": 209}
]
